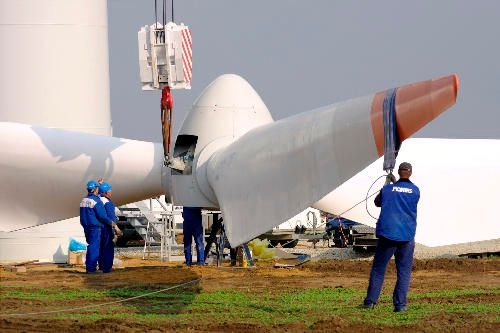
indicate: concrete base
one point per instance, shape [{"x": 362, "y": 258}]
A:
[{"x": 45, "y": 243}]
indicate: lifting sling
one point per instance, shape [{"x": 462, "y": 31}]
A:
[
  {"x": 167, "y": 104},
  {"x": 391, "y": 137},
  {"x": 392, "y": 142}
]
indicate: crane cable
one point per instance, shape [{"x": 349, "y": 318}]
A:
[
  {"x": 156, "y": 14},
  {"x": 173, "y": 11},
  {"x": 164, "y": 13}
]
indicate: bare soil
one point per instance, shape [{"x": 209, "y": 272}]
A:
[{"x": 428, "y": 276}]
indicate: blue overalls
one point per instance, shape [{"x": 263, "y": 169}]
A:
[
  {"x": 193, "y": 227},
  {"x": 107, "y": 233},
  {"x": 92, "y": 218},
  {"x": 395, "y": 230}
]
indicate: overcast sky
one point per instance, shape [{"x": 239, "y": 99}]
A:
[{"x": 300, "y": 55}]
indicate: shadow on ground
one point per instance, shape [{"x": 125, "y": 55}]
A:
[{"x": 149, "y": 290}]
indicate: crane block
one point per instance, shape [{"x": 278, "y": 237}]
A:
[{"x": 165, "y": 56}]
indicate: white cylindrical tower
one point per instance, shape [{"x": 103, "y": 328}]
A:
[{"x": 54, "y": 64}]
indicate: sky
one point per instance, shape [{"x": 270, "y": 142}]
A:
[{"x": 301, "y": 55}]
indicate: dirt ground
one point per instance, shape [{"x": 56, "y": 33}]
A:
[{"x": 450, "y": 287}]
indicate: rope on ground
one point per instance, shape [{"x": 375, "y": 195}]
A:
[{"x": 101, "y": 304}]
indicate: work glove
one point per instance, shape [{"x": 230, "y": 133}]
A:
[
  {"x": 390, "y": 178},
  {"x": 117, "y": 230}
]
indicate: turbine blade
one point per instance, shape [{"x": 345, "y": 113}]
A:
[
  {"x": 449, "y": 212},
  {"x": 43, "y": 172},
  {"x": 277, "y": 170}
]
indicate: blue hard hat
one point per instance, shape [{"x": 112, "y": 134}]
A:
[
  {"x": 104, "y": 187},
  {"x": 92, "y": 185}
]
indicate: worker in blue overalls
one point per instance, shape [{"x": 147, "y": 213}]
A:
[
  {"x": 395, "y": 230},
  {"x": 193, "y": 227},
  {"x": 92, "y": 218},
  {"x": 107, "y": 233}
]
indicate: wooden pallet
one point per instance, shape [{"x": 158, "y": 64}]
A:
[{"x": 20, "y": 267}]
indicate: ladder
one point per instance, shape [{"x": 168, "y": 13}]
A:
[
  {"x": 165, "y": 225},
  {"x": 313, "y": 221},
  {"x": 159, "y": 232}
]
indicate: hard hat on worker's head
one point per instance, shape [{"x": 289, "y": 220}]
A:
[
  {"x": 104, "y": 187},
  {"x": 92, "y": 185}
]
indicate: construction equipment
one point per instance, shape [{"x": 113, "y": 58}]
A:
[
  {"x": 165, "y": 62},
  {"x": 158, "y": 231},
  {"x": 165, "y": 55},
  {"x": 218, "y": 237},
  {"x": 303, "y": 226},
  {"x": 142, "y": 222}
]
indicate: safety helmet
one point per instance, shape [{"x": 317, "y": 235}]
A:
[
  {"x": 104, "y": 187},
  {"x": 92, "y": 185}
]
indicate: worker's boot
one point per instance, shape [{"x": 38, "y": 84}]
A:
[
  {"x": 401, "y": 309},
  {"x": 369, "y": 306}
]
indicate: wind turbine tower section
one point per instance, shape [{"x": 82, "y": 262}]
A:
[{"x": 54, "y": 64}]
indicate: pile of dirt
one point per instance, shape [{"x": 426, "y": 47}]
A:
[{"x": 449, "y": 265}]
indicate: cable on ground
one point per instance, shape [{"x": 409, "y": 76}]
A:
[{"x": 101, "y": 304}]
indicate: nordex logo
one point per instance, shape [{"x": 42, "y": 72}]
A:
[
  {"x": 87, "y": 203},
  {"x": 402, "y": 189}
]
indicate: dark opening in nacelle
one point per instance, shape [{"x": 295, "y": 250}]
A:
[{"x": 182, "y": 161}]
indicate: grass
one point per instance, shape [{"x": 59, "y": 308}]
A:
[
  {"x": 305, "y": 305},
  {"x": 53, "y": 294}
]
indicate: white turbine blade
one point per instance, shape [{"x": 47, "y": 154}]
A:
[
  {"x": 43, "y": 172},
  {"x": 275, "y": 171},
  {"x": 458, "y": 181}
]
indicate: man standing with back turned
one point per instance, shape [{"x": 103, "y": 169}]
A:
[
  {"x": 395, "y": 230},
  {"x": 192, "y": 227},
  {"x": 92, "y": 218}
]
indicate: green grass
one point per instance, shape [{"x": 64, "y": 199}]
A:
[
  {"x": 305, "y": 305},
  {"x": 53, "y": 294},
  {"x": 455, "y": 293}
]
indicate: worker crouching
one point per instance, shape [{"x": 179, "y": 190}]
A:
[
  {"x": 395, "y": 230},
  {"x": 192, "y": 227},
  {"x": 92, "y": 218}
]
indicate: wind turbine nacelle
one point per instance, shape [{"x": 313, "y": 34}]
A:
[{"x": 227, "y": 109}]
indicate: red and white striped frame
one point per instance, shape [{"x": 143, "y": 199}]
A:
[{"x": 187, "y": 54}]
